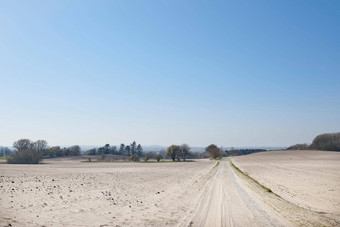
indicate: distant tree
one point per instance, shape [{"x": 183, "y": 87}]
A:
[
  {"x": 213, "y": 151},
  {"x": 133, "y": 147},
  {"x": 128, "y": 150},
  {"x": 327, "y": 142},
  {"x": 139, "y": 151},
  {"x": 162, "y": 152},
  {"x": 107, "y": 149},
  {"x": 27, "y": 152},
  {"x": 56, "y": 151},
  {"x": 91, "y": 151},
  {"x": 121, "y": 149},
  {"x": 148, "y": 156},
  {"x": 28, "y": 156},
  {"x": 184, "y": 150},
  {"x": 100, "y": 150},
  {"x": 74, "y": 150},
  {"x": 5, "y": 151},
  {"x": 40, "y": 145},
  {"x": 158, "y": 157},
  {"x": 236, "y": 152},
  {"x": 104, "y": 150},
  {"x": 23, "y": 144},
  {"x": 227, "y": 152},
  {"x": 196, "y": 155},
  {"x": 113, "y": 150},
  {"x": 173, "y": 152},
  {"x": 303, "y": 146},
  {"x": 134, "y": 158},
  {"x": 65, "y": 151}
]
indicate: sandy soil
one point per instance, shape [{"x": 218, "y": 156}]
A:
[
  {"x": 307, "y": 179},
  {"x": 74, "y": 193},
  {"x": 306, "y": 186}
]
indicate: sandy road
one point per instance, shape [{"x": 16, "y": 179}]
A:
[{"x": 226, "y": 201}]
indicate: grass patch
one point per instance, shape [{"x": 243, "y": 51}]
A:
[
  {"x": 217, "y": 164},
  {"x": 3, "y": 158},
  {"x": 252, "y": 179}
]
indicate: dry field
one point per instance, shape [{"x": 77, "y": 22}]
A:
[
  {"x": 68, "y": 192},
  {"x": 307, "y": 179},
  {"x": 74, "y": 193}
]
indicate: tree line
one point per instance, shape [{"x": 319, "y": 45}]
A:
[
  {"x": 31, "y": 152},
  {"x": 323, "y": 142},
  {"x": 128, "y": 150},
  {"x": 183, "y": 152},
  {"x": 27, "y": 151},
  {"x": 5, "y": 152},
  {"x": 237, "y": 152}
]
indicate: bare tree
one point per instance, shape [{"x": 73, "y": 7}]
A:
[
  {"x": 26, "y": 152},
  {"x": 74, "y": 150},
  {"x": 40, "y": 145},
  {"x": 185, "y": 149},
  {"x": 55, "y": 151},
  {"x": 23, "y": 144}
]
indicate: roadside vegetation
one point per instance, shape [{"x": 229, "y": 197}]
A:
[{"x": 252, "y": 179}]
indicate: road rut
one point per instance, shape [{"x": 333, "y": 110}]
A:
[{"x": 227, "y": 202}]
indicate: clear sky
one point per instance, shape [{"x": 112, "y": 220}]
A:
[{"x": 234, "y": 73}]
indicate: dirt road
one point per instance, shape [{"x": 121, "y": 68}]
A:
[
  {"x": 233, "y": 199},
  {"x": 225, "y": 202}
]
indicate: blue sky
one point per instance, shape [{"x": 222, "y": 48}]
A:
[{"x": 234, "y": 73}]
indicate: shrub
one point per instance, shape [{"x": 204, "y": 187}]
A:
[
  {"x": 91, "y": 152},
  {"x": 147, "y": 157},
  {"x": 134, "y": 158},
  {"x": 27, "y": 156},
  {"x": 158, "y": 157}
]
